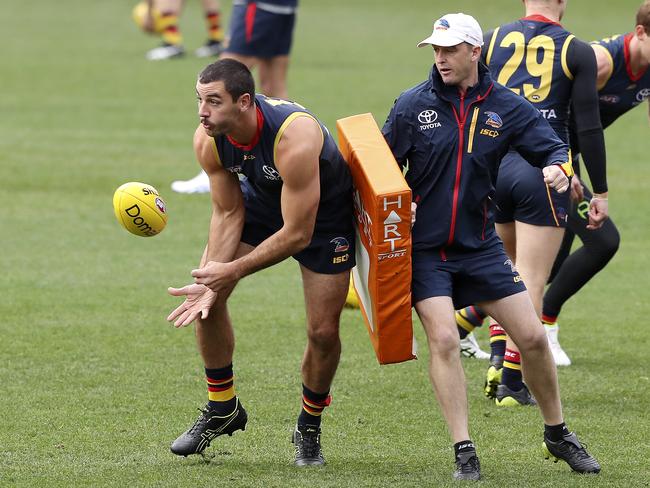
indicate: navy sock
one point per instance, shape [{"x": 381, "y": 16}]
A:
[{"x": 555, "y": 432}]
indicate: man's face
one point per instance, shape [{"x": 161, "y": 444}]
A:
[
  {"x": 217, "y": 110},
  {"x": 455, "y": 63}
]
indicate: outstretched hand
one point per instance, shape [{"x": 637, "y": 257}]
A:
[{"x": 198, "y": 300}]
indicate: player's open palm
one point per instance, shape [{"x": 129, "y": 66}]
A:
[{"x": 198, "y": 301}]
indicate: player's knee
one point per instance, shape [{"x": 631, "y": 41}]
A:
[
  {"x": 533, "y": 341},
  {"x": 444, "y": 340},
  {"x": 324, "y": 337}
]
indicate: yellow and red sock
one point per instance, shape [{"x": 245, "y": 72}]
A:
[
  {"x": 313, "y": 405},
  {"x": 497, "y": 342},
  {"x": 549, "y": 320},
  {"x": 170, "y": 31},
  {"x": 221, "y": 389},
  {"x": 468, "y": 318},
  {"x": 213, "y": 24},
  {"x": 511, "y": 376}
]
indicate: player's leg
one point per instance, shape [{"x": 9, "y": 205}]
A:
[
  {"x": 574, "y": 271},
  {"x": 448, "y": 379},
  {"x": 536, "y": 249},
  {"x": 324, "y": 299},
  {"x": 273, "y": 76},
  {"x": 517, "y": 315},
  {"x": 223, "y": 413},
  {"x": 172, "y": 47},
  {"x": 212, "y": 14}
]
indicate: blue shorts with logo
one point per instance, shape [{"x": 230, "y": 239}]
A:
[
  {"x": 260, "y": 33},
  {"x": 522, "y": 195},
  {"x": 468, "y": 278},
  {"x": 332, "y": 246}
]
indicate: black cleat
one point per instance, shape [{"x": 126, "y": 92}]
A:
[
  {"x": 572, "y": 452},
  {"x": 306, "y": 440},
  {"x": 208, "y": 426},
  {"x": 506, "y": 397},
  {"x": 468, "y": 467}
]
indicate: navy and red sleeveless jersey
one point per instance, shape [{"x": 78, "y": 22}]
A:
[
  {"x": 623, "y": 90},
  {"x": 529, "y": 56},
  {"x": 257, "y": 163}
]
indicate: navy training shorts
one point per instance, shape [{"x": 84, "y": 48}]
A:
[
  {"x": 522, "y": 195},
  {"x": 329, "y": 252},
  {"x": 260, "y": 33},
  {"x": 468, "y": 278}
]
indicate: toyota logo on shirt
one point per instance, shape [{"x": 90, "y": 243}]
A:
[
  {"x": 428, "y": 119},
  {"x": 643, "y": 94},
  {"x": 428, "y": 116}
]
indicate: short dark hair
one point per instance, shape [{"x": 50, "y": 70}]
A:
[
  {"x": 236, "y": 77},
  {"x": 643, "y": 16}
]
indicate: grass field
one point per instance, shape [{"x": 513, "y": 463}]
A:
[{"x": 94, "y": 384}]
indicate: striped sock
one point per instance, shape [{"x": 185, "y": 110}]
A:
[
  {"x": 511, "y": 376},
  {"x": 313, "y": 405},
  {"x": 213, "y": 23},
  {"x": 170, "y": 32},
  {"x": 497, "y": 343},
  {"x": 468, "y": 318},
  {"x": 221, "y": 389},
  {"x": 549, "y": 320}
]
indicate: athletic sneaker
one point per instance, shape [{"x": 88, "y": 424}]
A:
[
  {"x": 209, "y": 49},
  {"x": 306, "y": 440},
  {"x": 470, "y": 348},
  {"x": 208, "y": 426},
  {"x": 468, "y": 467},
  {"x": 572, "y": 452},
  {"x": 559, "y": 356},
  {"x": 199, "y": 184},
  {"x": 166, "y": 51},
  {"x": 506, "y": 397},
  {"x": 493, "y": 377}
]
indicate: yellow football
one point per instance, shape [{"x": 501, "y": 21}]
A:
[
  {"x": 140, "y": 13},
  {"x": 140, "y": 209}
]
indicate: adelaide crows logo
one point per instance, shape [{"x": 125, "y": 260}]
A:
[
  {"x": 442, "y": 24},
  {"x": 493, "y": 120},
  {"x": 341, "y": 244}
]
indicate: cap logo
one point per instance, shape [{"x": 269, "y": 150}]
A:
[{"x": 442, "y": 24}]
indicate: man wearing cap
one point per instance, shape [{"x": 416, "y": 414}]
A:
[{"x": 451, "y": 132}]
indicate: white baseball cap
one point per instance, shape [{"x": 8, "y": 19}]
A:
[{"x": 452, "y": 29}]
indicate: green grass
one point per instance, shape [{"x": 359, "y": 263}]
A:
[{"x": 95, "y": 384}]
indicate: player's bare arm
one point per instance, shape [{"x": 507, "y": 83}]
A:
[
  {"x": 605, "y": 65},
  {"x": 297, "y": 161},
  {"x": 227, "y": 219},
  {"x": 226, "y": 226}
]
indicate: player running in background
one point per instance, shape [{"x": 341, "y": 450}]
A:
[
  {"x": 623, "y": 83},
  {"x": 544, "y": 63},
  {"x": 162, "y": 17},
  {"x": 261, "y": 35},
  {"x": 299, "y": 204},
  {"x": 452, "y": 131}
]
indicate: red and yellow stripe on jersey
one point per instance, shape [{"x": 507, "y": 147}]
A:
[{"x": 382, "y": 201}]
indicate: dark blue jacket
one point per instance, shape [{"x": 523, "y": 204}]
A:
[{"x": 452, "y": 146}]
